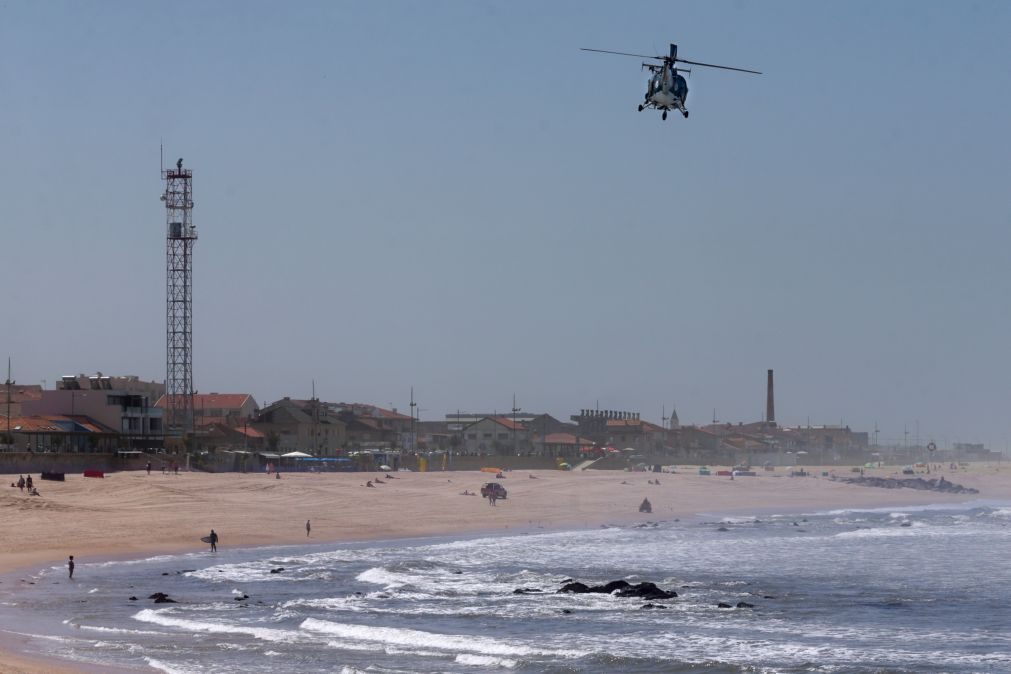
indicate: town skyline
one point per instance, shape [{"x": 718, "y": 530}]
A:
[{"x": 832, "y": 219}]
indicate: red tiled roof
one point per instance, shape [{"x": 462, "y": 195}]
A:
[
  {"x": 223, "y": 401},
  {"x": 509, "y": 423},
  {"x": 48, "y": 424}
]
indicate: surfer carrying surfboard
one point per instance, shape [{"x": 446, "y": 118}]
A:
[{"x": 213, "y": 540}]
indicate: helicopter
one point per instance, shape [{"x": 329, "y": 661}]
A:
[{"x": 667, "y": 89}]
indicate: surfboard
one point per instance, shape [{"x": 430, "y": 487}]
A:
[{"x": 205, "y": 539}]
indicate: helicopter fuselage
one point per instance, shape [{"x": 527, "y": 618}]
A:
[{"x": 666, "y": 90}]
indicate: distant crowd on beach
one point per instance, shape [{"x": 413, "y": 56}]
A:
[{"x": 26, "y": 483}]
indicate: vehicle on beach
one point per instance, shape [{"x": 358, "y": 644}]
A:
[{"x": 493, "y": 489}]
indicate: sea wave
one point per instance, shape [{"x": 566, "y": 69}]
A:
[
  {"x": 164, "y": 618},
  {"x": 485, "y": 661},
  {"x": 463, "y": 643}
]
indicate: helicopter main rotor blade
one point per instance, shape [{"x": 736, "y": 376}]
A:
[
  {"x": 621, "y": 53},
  {"x": 710, "y": 65}
]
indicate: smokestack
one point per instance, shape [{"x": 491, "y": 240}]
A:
[{"x": 770, "y": 403}]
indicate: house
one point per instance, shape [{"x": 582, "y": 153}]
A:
[
  {"x": 560, "y": 445},
  {"x": 372, "y": 427},
  {"x": 290, "y": 425},
  {"x": 218, "y": 408},
  {"x": 61, "y": 433},
  {"x": 496, "y": 435},
  {"x": 130, "y": 414},
  {"x": 12, "y": 396}
]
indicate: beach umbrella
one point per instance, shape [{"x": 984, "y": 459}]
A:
[
  {"x": 384, "y": 467},
  {"x": 296, "y": 455}
]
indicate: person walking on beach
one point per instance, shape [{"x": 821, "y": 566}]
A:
[
  {"x": 28, "y": 483},
  {"x": 213, "y": 541},
  {"x": 70, "y": 566},
  {"x": 308, "y": 528},
  {"x": 21, "y": 482},
  {"x": 148, "y": 467}
]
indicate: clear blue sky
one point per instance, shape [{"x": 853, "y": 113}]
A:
[{"x": 451, "y": 195}]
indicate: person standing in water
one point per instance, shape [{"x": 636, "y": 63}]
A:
[
  {"x": 308, "y": 528},
  {"x": 70, "y": 566}
]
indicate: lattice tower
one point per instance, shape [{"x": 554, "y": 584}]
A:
[{"x": 181, "y": 234}]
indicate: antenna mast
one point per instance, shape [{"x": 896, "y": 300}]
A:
[{"x": 181, "y": 234}]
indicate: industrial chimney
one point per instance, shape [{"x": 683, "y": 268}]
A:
[{"x": 770, "y": 403}]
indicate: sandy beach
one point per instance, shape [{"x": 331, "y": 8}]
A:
[{"x": 133, "y": 514}]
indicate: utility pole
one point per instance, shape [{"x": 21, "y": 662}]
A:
[
  {"x": 515, "y": 410},
  {"x": 414, "y": 442},
  {"x": 663, "y": 422},
  {"x": 8, "y": 384}
]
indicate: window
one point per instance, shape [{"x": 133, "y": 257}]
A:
[{"x": 486, "y": 436}]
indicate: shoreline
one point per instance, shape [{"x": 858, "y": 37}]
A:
[{"x": 135, "y": 516}]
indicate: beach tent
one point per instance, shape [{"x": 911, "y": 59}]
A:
[{"x": 296, "y": 455}]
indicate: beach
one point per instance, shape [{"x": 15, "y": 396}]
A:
[{"x": 133, "y": 514}]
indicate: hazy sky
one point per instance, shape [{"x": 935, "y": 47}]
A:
[{"x": 452, "y": 196}]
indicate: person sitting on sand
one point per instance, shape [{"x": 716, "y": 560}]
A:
[
  {"x": 369, "y": 484},
  {"x": 378, "y": 481},
  {"x": 645, "y": 506},
  {"x": 532, "y": 476},
  {"x": 466, "y": 492},
  {"x": 32, "y": 491}
]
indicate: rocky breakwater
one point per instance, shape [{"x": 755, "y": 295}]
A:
[{"x": 940, "y": 484}]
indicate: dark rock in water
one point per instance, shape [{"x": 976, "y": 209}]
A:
[
  {"x": 277, "y": 570},
  {"x": 575, "y": 587},
  {"x": 906, "y": 524},
  {"x": 566, "y": 610},
  {"x": 744, "y": 604},
  {"x": 767, "y": 596},
  {"x": 133, "y": 599},
  {"x": 618, "y": 588},
  {"x": 526, "y": 590},
  {"x": 157, "y": 595},
  {"x": 165, "y": 573},
  {"x": 723, "y": 605},
  {"x": 652, "y": 606},
  {"x": 645, "y": 591},
  {"x": 941, "y": 485},
  {"x": 612, "y": 586},
  {"x": 457, "y": 572},
  {"x": 723, "y": 529},
  {"x": 165, "y": 600}
]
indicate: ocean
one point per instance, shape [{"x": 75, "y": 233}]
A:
[{"x": 925, "y": 589}]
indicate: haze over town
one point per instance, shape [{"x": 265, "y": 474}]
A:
[{"x": 451, "y": 196}]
